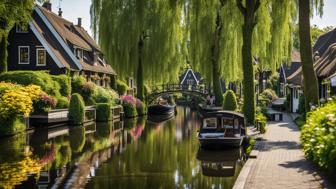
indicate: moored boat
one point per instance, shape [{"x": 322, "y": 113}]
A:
[{"x": 222, "y": 129}]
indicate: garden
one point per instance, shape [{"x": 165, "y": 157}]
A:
[{"x": 25, "y": 93}]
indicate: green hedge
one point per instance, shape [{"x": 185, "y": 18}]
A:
[
  {"x": 12, "y": 126},
  {"x": 77, "y": 84},
  {"x": 65, "y": 83},
  {"x": 40, "y": 78},
  {"x": 318, "y": 137},
  {"x": 76, "y": 109},
  {"x": 130, "y": 110},
  {"x": 62, "y": 103},
  {"x": 102, "y": 95},
  {"x": 261, "y": 121},
  {"x": 230, "y": 101},
  {"x": 122, "y": 87},
  {"x": 103, "y": 112}
]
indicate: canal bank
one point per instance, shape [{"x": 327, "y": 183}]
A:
[
  {"x": 132, "y": 153},
  {"x": 280, "y": 161}
]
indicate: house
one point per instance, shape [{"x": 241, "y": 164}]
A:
[
  {"x": 52, "y": 43},
  {"x": 324, "y": 65},
  {"x": 294, "y": 84},
  {"x": 189, "y": 77}
]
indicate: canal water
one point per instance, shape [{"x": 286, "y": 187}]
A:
[{"x": 131, "y": 154}]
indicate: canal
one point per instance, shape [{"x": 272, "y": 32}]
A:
[{"x": 130, "y": 154}]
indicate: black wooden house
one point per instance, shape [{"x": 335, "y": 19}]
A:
[{"x": 53, "y": 43}]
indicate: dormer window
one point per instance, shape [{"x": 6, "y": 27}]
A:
[{"x": 79, "y": 53}]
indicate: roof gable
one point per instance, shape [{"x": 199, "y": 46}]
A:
[{"x": 189, "y": 71}]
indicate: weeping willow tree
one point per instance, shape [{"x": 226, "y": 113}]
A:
[
  {"x": 12, "y": 12},
  {"x": 310, "y": 83},
  {"x": 228, "y": 36},
  {"x": 141, "y": 38}
]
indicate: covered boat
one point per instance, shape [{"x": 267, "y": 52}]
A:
[
  {"x": 164, "y": 108},
  {"x": 222, "y": 129}
]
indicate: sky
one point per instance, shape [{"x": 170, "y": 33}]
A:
[{"x": 72, "y": 9}]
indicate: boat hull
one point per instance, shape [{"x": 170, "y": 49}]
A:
[
  {"x": 165, "y": 110},
  {"x": 221, "y": 142}
]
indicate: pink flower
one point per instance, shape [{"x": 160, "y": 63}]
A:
[{"x": 128, "y": 99}]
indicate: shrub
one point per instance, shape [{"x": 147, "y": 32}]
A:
[
  {"x": 129, "y": 110},
  {"x": 318, "y": 137},
  {"x": 17, "y": 100},
  {"x": 128, "y": 99},
  {"x": 88, "y": 90},
  {"x": 103, "y": 112},
  {"x": 122, "y": 87},
  {"x": 261, "y": 122},
  {"x": 39, "y": 78},
  {"x": 230, "y": 101},
  {"x": 141, "y": 107},
  {"x": 64, "y": 82},
  {"x": 62, "y": 103},
  {"x": 44, "y": 103},
  {"x": 11, "y": 126},
  {"x": 77, "y": 84},
  {"x": 250, "y": 145},
  {"x": 269, "y": 94},
  {"x": 102, "y": 95},
  {"x": 76, "y": 109}
]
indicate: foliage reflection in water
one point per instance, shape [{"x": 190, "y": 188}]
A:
[{"x": 129, "y": 154}]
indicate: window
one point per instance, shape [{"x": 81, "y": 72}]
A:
[
  {"x": 23, "y": 54},
  {"x": 190, "y": 81},
  {"x": 20, "y": 29},
  {"x": 79, "y": 53},
  {"x": 210, "y": 123},
  {"x": 40, "y": 57}
]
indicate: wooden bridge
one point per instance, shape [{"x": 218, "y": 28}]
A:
[{"x": 193, "y": 90}]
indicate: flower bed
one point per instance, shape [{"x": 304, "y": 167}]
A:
[
  {"x": 133, "y": 107},
  {"x": 318, "y": 137}
]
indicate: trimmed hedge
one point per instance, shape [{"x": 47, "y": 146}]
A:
[
  {"x": 77, "y": 84},
  {"x": 62, "y": 103},
  {"x": 230, "y": 101},
  {"x": 103, "y": 112},
  {"x": 12, "y": 126},
  {"x": 77, "y": 109},
  {"x": 130, "y": 110},
  {"x": 39, "y": 78},
  {"x": 122, "y": 87},
  {"x": 318, "y": 137},
  {"x": 65, "y": 83}
]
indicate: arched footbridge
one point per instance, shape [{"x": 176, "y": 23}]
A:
[{"x": 192, "y": 90}]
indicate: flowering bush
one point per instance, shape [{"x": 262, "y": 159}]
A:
[
  {"x": 17, "y": 100},
  {"x": 128, "y": 99},
  {"x": 318, "y": 136},
  {"x": 44, "y": 103}
]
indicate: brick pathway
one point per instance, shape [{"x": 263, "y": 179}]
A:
[{"x": 280, "y": 163}]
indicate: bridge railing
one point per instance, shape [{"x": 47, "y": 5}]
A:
[{"x": 179, "y": 87}]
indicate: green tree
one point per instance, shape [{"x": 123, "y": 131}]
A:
[
  {"x": 230, "y": 101},
  {"x": 12, "y": 12},
  {"x": 140, "y": 38}
]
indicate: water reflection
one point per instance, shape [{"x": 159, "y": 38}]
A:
[{"x": 129, "y": 154}]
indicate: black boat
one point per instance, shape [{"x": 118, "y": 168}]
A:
[{"x": 222, "y": 129}]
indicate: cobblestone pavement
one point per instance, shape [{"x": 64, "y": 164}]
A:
[{"x": 280, "y": 162}]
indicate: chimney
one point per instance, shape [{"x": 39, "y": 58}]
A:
[
  {"x": 79, "y": 22},
  {"x": 47, "y": 5},
  {"x": 60, "y": 12}
]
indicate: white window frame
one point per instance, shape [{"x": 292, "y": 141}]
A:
[
  {"x": 205, "y": 125},
  {"x": 18, "y": 30},
  {"x": 19, "y": 52},
  {"x": 45, "y": 56}
]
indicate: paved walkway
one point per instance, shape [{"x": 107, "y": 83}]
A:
[{"x": 280, "y": 163}]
